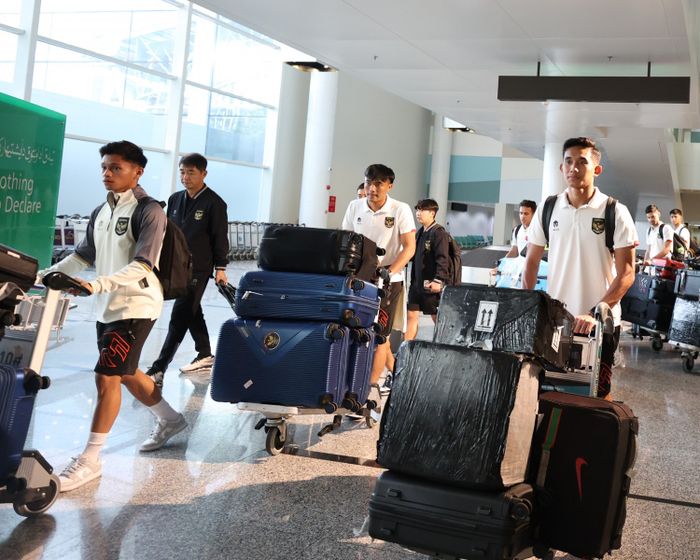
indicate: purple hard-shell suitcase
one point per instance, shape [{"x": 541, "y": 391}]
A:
[
  {"x": 318, "y": 297},
  {"x": 17, "y": 393},
  {"x": 289, "y": 363},
  {"x": 363, "y": 342}
]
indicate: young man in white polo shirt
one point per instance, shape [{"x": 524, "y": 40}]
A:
[
  {"x": 519, "y": 238},
  {"x": 389, "y": 223},
  {"x": 659, "y": 236},
  {"x": 582, "y": 271}
]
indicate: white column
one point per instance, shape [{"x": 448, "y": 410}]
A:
[
  {"x": 282, "y": 199},
  {"x": 502, "y": 223},
  {"x": 440, "y": 166},
  {"x": 552, "y": 182},
  {"x": 26, "y": 47},
  {"x": 318, "y": 149}
]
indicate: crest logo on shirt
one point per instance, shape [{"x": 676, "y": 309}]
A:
[
  {"x": 359, "y": 220},
  {"x": 121, "y": 226},
  {"x": 598, "y": 225},
  {"x": 555, "y": 225},
  {"x": 426, "y": 245},
  {"x": 199, "y": 214},
  {"x": 389, "y": 222}
]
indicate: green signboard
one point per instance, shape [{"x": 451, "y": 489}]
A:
[{"x": 31, "y": 147}]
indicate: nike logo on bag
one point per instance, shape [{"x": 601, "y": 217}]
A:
[{"x": 580, "y": 461}]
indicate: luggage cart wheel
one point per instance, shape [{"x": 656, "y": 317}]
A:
[
  {"x": 657, "y": 344},
  {"x": 273, "y": 441},
  {"x": 688, "y": 363},
  {"x": 38, "y": 507}
]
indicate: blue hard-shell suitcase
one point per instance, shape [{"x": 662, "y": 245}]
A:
[
  {"x": 363, "y": 342},
  {"x": 17, "y": 393},
  {"x": 289, "y": 363},
  {"x": 319, "y": 297}
]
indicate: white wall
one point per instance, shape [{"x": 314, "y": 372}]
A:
[
  {"x": 478, "y": 220},
  {"x": 521, "y": 179},
  {"x": 373, "y": 126}
]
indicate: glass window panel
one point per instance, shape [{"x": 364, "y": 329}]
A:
[
  {"x": 9, "y": 12},
  {"x": 202, "y": 49},
  {"x": 239, "y": 186},
  {"x": 222, "y": 126},
  {"x": 246, "y": 67},
  {"x": 101, "y": 98},
  {"x": 81, "y": 189},
  {"x": 8, "y": 55},
  {"x": 137, "y": 31},
  {"x": 236, "y": 129}
]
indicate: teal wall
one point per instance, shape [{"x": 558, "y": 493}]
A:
[{"x": 475, "y": 179}]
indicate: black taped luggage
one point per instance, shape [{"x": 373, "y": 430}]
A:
[
  {"x": 460, "y": 416},
  {"x": 505, "y": 319},
  {"x": 646, "y": 313},
  {"x": 685, "y": 323},
  {"x": 437, "y": 519},
  {"x": 688, "y": 284},
  {"x": 583, "y": 453},
  {"x": 18, "y": 268},
  {"x": 318, "y": 251}
]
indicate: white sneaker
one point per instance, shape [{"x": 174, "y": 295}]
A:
[
  {"x": 198, "y": 363},
  {"x": 157, "y": 377},
  {"x": 78, "y": 472},
  {"x": 162, "y": 432}
]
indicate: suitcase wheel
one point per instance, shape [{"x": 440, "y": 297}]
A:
[
  {"x": 335, "y": 332},
  {"x": 357, "y": 285},
  {"x": 521, "y": 510},
  {"x": 48, "y": 496},
  {"x": 688, "y": 364},
  {"x": 657, "y": 344},
  {"x": 273, "y": 441},
  {"x": 350, "y": 319},
  {"x": 330, "y": 408}
]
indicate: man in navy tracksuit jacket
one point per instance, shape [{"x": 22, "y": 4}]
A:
[{"x": 201, "y": 214}]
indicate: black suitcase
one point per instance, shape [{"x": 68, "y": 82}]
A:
[
  {"x": 18, "y": 268},
  {"x": 443, "y": 520},
  {"x": 688, "y": 284},
  {"x": 583, "y": 453},
  {"x": 510, "y": 320},
  {"x": 646, "y": 313},
  {"x": 318, "y": 251},
  {"x": 460, "y": 416},
  {"x": 662, "y": 291}
]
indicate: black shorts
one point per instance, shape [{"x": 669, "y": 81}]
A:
[
  {"x": 420, "y": 300},
  {"x": 387, "y": 307},
  {"x": 120, "y": 344}
]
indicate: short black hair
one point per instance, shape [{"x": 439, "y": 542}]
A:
[
  {"x": 127, "y": 150},
  {"x": 531, "y": 204},
  {"x": 360, "y": 186},
  {"x": 194, "y": 160},
  {"x": 582, "y": 142},
  {"x": 427, "y": 204},
  {"x": 676, "y": 211},
  {"x": 652, "y": 208},
  {"x": 379, "y": 172}
]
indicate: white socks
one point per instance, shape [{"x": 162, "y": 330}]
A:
[
  {"x": 163, "y": 411},
  {"x": 94, "y": 446}
]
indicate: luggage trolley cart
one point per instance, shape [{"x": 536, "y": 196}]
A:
[
  {"x": 27, "y": 480},
  {"x": 275, "y": 420},
  {"x": 583, "y": 369}
]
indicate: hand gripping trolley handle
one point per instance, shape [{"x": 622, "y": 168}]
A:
[
  {"x": 584, "y": 370},
  {"x": 31, "y": 487}
]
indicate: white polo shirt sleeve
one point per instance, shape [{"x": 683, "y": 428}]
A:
[
  {"x": 684, "y": 233},
  {"x": 667, "y": 233},
  {"x": 535, "y": 233},
  {"x": 625, "y": 230},
  {"x": 348, "y": 218},
  {"x": 404, "y": 219}
]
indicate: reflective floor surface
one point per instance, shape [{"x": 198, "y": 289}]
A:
[{"x": 214, "y": 492}]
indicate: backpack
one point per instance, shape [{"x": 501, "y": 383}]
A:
[
  {"x": 174, "y": 268},
  {"x": 678, "y": 248},
  {"x": 609, "y": 215},
  {"x": 516, "y": 230},
  {"x": 455, "y": 252}
]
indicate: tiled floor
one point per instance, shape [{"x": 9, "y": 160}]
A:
[{"x": 213, "y": 492}]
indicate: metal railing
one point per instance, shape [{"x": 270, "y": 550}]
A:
[{"x": 244, "y": 239}]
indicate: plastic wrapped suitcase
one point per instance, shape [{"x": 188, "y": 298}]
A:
[
  {"x": 583, "y": 453},
  {"x": 317, "y": 297},
  {"x": 685, "y": 324},
  {"x": 688, "y": 284},
  {"x": 436, "y": 519},
  {"x": 460, "y": 416},
  {"x": 509, "y": 320},
  {"x": 318, "y": 251},
  {"x": 293, "y": 363}
]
